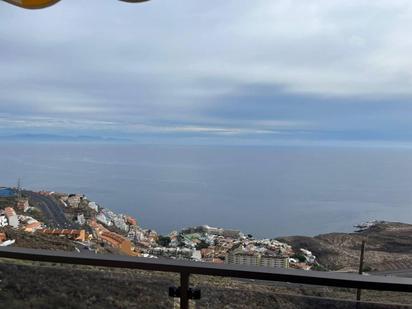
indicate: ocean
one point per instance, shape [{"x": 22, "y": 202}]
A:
[{"x": 265, "y": 191}]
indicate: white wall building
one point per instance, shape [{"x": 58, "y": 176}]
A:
[
  {"x": 274, "y": 261},
  {"x": 3, "y": 221},
  {"x": 103, "y": 219},
  {"x": 120, "y": 224},
  {"x": 12, "y": 217},
  {"x": 243, "y": 259},
  {"x": 93, "y": 206},
  {"x": 74, "y": 200},
  {"x": 80, "y": 219},
  {"x": 257, "y": 257}
]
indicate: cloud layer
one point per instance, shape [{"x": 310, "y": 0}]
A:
[{"x": 232, "y": 71}]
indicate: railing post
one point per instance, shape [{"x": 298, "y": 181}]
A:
[
  {"x": 362, "y": 257},
  {"x": 184, "y": 290}
]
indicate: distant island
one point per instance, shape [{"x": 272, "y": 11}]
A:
[{"x": 59, "y": 138}]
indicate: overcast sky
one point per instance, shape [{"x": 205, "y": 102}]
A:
[{"x": 225, "y": 72}]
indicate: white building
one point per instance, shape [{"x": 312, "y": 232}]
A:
[
  {"x": 3, "y": 221},
  {"x": 274, "y": 261},
  {"x": 80, "y": 219},
  {"x": 243, "y": 258},
  {"x": 196, "y": 255},
  {"x": 74, "y": 200},
  {"x": 177, "y": 253},
  {"x": 310, "y": 258},
  {"x": 7, "y": 243},
  {"x": 136, "y": 234},
  {"x": 120, "y": 223},
  {"x": 103, "y": 219},
  {"x": 256, "y": 257},
  {"x": 12, "y": 217},
  {"x": 93, "y": 206},
  {"x": 212, "y": 230}
]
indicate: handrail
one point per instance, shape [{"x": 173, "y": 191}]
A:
[{"x": 186, "y": 268}]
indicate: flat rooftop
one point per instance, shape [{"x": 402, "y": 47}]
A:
[{"x": 6, "y": 192}]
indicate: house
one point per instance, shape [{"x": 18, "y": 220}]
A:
[
  {"x": 12, "y": 217},
  {"x": 131, "y": 220},
  {"x": 72, "y": 234},
  {"x": 23, "y": 204},
  {"x": 74, "y": 200},
  {"x": 6, "y": 192},
  {"x": 29, "y": 224},
  {"x": 3, "y": 221},
  {"x": 93, "y": 206},
  {"x": 117, "y": 241},
  {"x": 80, "y": 219},
  {"x": 120, "y": 223},
  {"x": 101, "y": 217},
  {"x": 32, "y": 226},
  {"x": 113, "y": 239},
  {"x": 3, "y": 237}
]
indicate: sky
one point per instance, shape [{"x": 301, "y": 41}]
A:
[{"x": 208, "y": 72}]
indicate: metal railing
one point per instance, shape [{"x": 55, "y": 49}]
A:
[{"x": 186, "y": 268}]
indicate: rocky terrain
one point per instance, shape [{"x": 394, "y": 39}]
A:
[
  {"x": 388, "y": 247},
  {"x": 39, "y": 241}
]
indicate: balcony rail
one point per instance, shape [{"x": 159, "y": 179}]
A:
[{"x": 186, "y": 268}]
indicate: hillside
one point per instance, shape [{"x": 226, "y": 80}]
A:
[{"x": 388, "y": 247}]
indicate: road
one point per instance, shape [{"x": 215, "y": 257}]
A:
[
  {"x": 52, "y": 210},
  {"x": 405, "y": 273}
]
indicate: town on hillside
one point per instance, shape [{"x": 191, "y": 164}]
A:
[{"x": 60, "y": 221}]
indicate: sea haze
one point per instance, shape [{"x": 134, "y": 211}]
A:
[{"x": 265, "y": 191}]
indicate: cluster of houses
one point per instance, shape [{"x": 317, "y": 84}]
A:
[
  {"x": 120, "y": 242},
  {"x": 199, "y": 243},
  {"x": 110, "y": 218},
  {"x": 100, "y": 223},
  {"x": 102, "y": 215},
  {"x": 121, "y": 232},
  {"x": 9, "y": 217},
  {"x": 217, "y": 245}
]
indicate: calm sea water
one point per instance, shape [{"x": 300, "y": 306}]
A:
[{"x": 265, "y": 191}]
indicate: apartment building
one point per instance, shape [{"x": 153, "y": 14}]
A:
[{"x": 265, "y": 258}]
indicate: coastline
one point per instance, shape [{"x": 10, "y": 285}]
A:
[{"x": 105, "y": 231}]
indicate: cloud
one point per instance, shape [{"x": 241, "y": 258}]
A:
[
  {"x": 232, "y": 68},
  {"x": 67, "y": 125}
]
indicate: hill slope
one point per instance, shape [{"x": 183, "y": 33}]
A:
[{"x": 388, "y": 247}]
